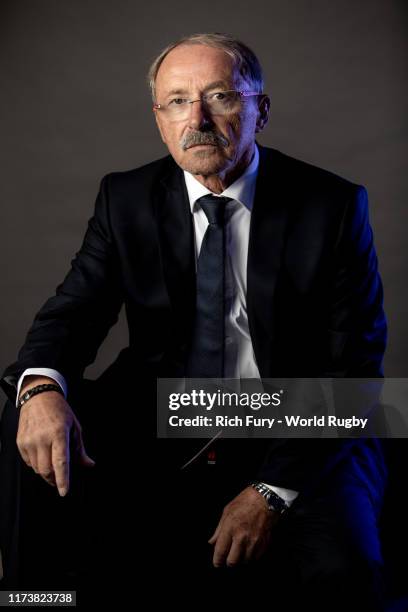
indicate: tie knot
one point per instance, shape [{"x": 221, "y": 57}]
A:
[{"x": 214, "y": 208}]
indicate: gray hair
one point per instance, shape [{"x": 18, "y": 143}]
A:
[{"x": 244, "y": 58}]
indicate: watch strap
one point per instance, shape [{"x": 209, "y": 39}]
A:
[{"x": 274, "y": 501}]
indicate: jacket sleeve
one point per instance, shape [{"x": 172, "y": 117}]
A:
[
  {"x": 356, "y": 343},
  {"x": 69, "y": 328},
  {"x": 358, "y": 329}
]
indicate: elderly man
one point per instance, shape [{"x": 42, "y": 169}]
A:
[{"x": 233, "y": 260}]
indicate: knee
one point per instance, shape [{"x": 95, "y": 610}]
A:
[{"x": 346, "y": 583}]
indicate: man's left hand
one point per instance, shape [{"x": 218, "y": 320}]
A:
[{"x": 244, "y": 531}]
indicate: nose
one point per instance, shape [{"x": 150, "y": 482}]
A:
[{"x": 199, "y": 116}]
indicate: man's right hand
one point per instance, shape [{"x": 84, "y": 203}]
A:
[{"x": 45, "y": 427}]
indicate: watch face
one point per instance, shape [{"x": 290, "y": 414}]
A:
[{"x": 278, "y": 505}]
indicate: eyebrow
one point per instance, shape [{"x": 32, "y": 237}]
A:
[{"x": 181, "y": 91}]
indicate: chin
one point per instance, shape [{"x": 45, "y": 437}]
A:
[{"x": 205, "y": 162}]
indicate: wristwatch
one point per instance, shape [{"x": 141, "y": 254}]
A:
[{"x": 275, "y": 503}]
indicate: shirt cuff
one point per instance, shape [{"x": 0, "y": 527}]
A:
[
  {"x": 288, "y": 495},
  {"x": 59, "y": 379}
]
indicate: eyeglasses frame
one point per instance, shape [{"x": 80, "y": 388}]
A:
[{"x": 244, "y": 94}]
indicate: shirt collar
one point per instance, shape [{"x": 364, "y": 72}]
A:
[{"x": 242, "y": 190}]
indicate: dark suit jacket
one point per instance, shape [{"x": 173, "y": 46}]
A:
[{"x": 314, "y": 296}]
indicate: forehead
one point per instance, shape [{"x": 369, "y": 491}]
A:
[{"x": 190, "y": 66}]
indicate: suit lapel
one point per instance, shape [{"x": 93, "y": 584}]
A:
[
  {"x": 176, "y": 236},
  {"x": 266, "y": 242}
]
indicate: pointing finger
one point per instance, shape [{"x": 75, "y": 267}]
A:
[{"x": 60, "y": 463}]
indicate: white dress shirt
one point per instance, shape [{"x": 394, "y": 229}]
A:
[{"x": 240, "y": 360}]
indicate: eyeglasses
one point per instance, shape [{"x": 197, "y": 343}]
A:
[{"x": 218, "y": 103}]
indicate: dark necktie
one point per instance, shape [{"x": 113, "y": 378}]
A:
[{"x": 206, "y": 359}]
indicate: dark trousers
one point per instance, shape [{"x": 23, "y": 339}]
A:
[
  {"x": 129, "y": 523},
  {"x": 325, "y": 552}
]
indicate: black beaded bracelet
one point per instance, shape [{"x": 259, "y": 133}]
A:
[{"x": 35, "y": 390}]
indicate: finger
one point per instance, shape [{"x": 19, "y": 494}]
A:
[
  {"x": 32, "y": 457},
  {"x": 83, "y": 456},
  {"x": 216, "y": 533},
  {"x": 259, "y": 547},
  {"x": 237, "y": 552},
  {"x": 222, "y": 548},
  {"x": 44, "y": 464},
  {"x": 60, "y": 463},
  {"x": 251, "y": 552},
  {"x": 24, "y": 455}
]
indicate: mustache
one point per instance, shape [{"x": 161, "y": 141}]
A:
[{"x": 202, "y": 138}]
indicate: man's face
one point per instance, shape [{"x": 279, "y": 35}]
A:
[{"x": 190, "y": 71}]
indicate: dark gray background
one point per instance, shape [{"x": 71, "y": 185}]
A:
[{"x": 74, "y": 106}]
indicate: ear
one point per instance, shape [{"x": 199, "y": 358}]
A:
[
  {"x": 264, "y": 104},
  {"x": 158, "y": 123}
]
